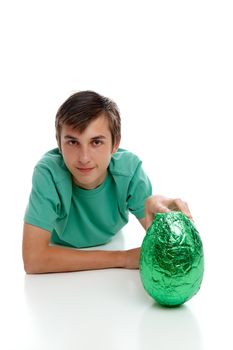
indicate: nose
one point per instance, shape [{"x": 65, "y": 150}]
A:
[{"x": 84, "y": 155}]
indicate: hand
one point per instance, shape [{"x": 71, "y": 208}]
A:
[
  {"x": 159, "y": 204},
  {"x": 132, "y": 258}
]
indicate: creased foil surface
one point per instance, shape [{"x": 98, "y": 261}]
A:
[{"x": 171, "y": 259}]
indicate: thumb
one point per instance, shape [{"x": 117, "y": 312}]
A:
[
  {"x": 149, "y": 219},
  {"x": 151, "y": 216}
]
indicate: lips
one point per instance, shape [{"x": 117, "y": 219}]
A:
[{"x": 85, "y": 170}]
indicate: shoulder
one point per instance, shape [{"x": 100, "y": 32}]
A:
[
  {"x": 124, "y": 163},
  {"x": 52, "y": 165}
]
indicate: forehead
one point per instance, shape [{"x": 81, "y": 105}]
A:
[{"x": 99, "y": 126}]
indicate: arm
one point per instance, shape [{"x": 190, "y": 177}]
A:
[{"x": 39, "y": 257}]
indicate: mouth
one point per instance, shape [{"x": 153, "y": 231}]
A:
[{"x": 85, "y": 170}]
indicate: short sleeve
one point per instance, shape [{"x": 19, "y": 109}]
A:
[
  {"x": 140, "y": 189},
  {"x": 44, "y": 203}
]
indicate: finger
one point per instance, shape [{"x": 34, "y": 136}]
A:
[
  {"x": 183, "y": 207},
  {"x": 164, "y": 209}
]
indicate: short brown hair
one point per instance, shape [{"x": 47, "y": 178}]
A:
[{"x": 85, "y": 106}]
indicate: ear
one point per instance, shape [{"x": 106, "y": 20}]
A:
[
  {"x": 58, "y": 142},
  {"x": 115, "y": 148}
]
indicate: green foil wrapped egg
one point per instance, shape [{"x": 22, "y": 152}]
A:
[{"x": 171, "y": 259}]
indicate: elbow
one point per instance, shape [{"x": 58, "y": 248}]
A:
[
  {"x": 29, "y": 269},
  {"x": 34, "y": 249},
  {"x": 33, "y": 265}
]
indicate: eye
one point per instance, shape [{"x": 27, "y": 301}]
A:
[
  {"x": 72, "y": 143},
  {"x": 97, "y": 142}
]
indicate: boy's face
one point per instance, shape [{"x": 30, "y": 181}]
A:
[{"x": 87, "y": 154}]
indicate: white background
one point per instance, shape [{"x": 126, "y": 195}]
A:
[{"x": 168, "y": 65}]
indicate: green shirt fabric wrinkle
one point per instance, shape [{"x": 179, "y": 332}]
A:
[{"x": 82, "y": 218}]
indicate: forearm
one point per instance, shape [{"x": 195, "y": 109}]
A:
[{"x": 60, "y": 259}]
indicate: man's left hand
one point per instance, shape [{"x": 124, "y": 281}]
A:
[{"x": 159, "y": 204}]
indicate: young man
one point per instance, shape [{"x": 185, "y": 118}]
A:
[{"x": 83, "y": 191}]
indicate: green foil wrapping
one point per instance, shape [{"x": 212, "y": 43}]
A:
[{"x": 171, "y": 259}]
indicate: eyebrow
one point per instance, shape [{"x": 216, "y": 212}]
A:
[{"x": 70, "y": 137}]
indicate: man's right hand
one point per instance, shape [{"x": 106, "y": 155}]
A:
[{"x": 132, "y": 258}]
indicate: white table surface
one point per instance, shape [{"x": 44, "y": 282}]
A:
[{"x": 109, "y": 309}]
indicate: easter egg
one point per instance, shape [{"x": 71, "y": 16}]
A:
[{"x": 171, "y": 261}]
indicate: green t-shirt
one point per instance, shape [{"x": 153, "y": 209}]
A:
[{"x": 83, "y": 218}]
